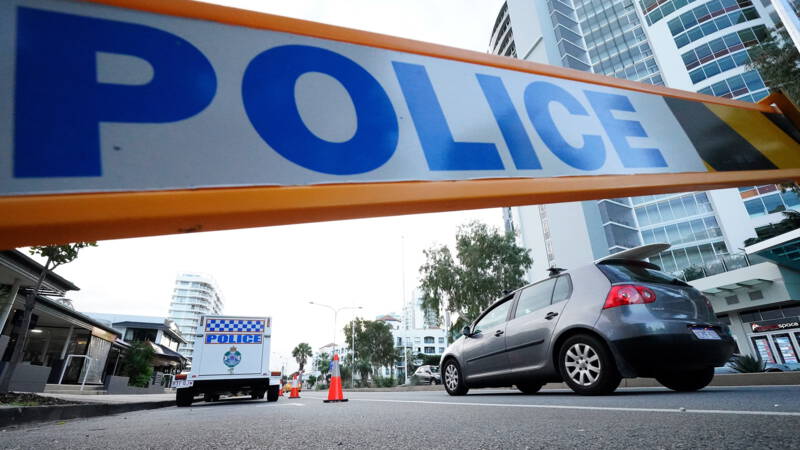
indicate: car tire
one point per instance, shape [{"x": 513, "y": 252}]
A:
[
  {"x": 272, "y": 394},
  {"x": 453, "y": 378},
  {"x": 587, "y": 366},
  {"x": 687, "y": 381},
  {"x": 432, "y": 382},
  {"x": 530, "y": 388},
  {"x": 184, "y": 397}
]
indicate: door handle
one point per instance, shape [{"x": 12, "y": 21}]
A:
[
  {"x": 550, "y": 315},
  {"x": 498, "y": 333}
]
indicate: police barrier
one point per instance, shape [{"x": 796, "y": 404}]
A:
[{"x": 111, "y": 103}]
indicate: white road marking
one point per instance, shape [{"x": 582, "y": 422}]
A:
[
  {"x": 587, "y": 408},
  {"x": 281, "y": 404}
]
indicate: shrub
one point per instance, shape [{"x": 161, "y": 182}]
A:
[
  {"x": 138, "y": 364},
  {"x": 748, "y": 364}
]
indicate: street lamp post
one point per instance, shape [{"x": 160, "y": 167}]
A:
[{"x": 335, "y": 319}]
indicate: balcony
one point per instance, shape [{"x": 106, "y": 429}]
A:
[{"x": 724, "y": 263}]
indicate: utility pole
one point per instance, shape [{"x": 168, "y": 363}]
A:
[{"x": 405, "y": 309}]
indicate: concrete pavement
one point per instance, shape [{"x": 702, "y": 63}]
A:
[{"x": 717, "y": 417}]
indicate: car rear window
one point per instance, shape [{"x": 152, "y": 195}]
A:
[{"x": 619, "y": 271}]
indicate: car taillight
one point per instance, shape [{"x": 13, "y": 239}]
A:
[
  {"x": 275, "y": 374},
  {"x": 628, "y": 294},
  {"x": 180, "y": 376}
]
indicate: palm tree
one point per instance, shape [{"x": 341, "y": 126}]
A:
[{"x": 301, "y": 354}]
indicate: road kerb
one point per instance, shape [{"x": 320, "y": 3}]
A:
[{"x": 28, "y": 414}]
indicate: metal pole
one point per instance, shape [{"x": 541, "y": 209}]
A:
[
  {"x": 353, "y": 349},
  {"x": 405, "y": 305},
  {"x": 789, "y": 19},
  {"x": 335, "y": 315},
  {"x": 86, "y": 374}
]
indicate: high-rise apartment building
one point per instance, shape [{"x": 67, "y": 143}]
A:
[
  {"x": 695, "y": 45},
  {"x": 641, "y": 40},
  {"x": 194, "y": 295}
]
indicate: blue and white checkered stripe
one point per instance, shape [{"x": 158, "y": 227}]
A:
[{"x": 235, "y": 325}]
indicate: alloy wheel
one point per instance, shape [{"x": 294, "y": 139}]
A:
[
  {"x": 582, "y": 364},
  {"x": 451, "y": 377}
]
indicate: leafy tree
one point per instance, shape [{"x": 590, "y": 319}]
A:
[
  {"x": 138, "y": 364},
  {"x": 374, "y": 343},
  {"x": 487, "y": 263},
  {"x": 56, "y": 255},
  {"x": 301, "y": 354},
  {"x": 323, "y": 363},
  {"x": 778, "y": 62}
]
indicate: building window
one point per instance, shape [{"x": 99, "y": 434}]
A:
[
  {"x": 441, "y": 340},
  {"x": 732, "y": 299},
  {"x": 429, "y": 339},
  {"x": 441, "y": 350},
  {"x": 416, "y": 340},
  {"x": 430, "y": 350},
  {"x": 755, "y": 295}
]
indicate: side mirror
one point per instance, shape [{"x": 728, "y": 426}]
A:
[{"x": 466, "y": 331}]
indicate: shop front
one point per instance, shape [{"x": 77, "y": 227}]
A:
[
  {"x": 777, "y": 341},
  {"x": 63, "y": 346}
]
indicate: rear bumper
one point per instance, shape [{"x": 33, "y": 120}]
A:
[
  {"x": 244, "y": 385},
  {"x": 650, "y": 355}
]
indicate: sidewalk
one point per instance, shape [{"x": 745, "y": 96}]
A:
[{"x": 85, "y": 406}]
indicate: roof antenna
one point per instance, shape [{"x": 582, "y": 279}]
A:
[{"x": 553, "y": 271}]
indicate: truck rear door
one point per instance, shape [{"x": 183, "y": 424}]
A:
[{"x": 232, "y": 346}]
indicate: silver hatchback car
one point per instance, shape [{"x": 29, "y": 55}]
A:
[{"x": 619, "y": 317}]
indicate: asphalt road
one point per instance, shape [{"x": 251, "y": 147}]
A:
[{"x": 754, "y": 417}]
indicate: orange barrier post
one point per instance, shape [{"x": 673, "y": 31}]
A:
[
  {"x": 335, "y": 391},
  {"x": 295, "y": 389}
]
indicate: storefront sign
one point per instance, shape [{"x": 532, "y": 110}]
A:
[
  {"x": 777, "y": 324},
  {"x": 172, "y": 98}
]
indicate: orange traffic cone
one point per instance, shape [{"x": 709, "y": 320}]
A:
[
  {"x": 280, "y": 391},
  {"x": 335, "y": 391},
  {"x": 295, "y": 391}
]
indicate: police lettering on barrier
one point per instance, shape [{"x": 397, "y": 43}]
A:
[
  {"x": 233, "y": 339},
  {"x": 298, "y": 110}
]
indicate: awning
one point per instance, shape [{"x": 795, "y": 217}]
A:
[{"x": 167, "y": 352}]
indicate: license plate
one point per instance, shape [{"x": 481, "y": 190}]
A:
[
  {"x": 703, "y": 333},
  {"x": 178, "y": 384}
]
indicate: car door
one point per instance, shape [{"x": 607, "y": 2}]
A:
[
  {"x": 529, "y": 332},
  {"x": 485, "y": 349}
]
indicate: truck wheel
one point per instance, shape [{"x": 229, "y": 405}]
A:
[
  {"x": 272, "y": 394},
  {"x": 184, "y": 397}
]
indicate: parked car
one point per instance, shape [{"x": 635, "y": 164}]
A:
[
  {"x": 619, "y": 317},
  {"x": 429, "y": 374}
]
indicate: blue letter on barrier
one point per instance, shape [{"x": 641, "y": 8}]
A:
[
  {"x": 538, "y": 96},
  {"x": 619, "y": 130},
  {"x": 441, "y": 151},
  {"x": 519, "y": 144},
  {"x": 59, "y": 103},
  {"x": 268, "y": 95}
]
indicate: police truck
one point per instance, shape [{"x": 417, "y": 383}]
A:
[{"x": 232, "y": 358}]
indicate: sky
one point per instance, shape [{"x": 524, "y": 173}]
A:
[{"x": 276, "y": 271}]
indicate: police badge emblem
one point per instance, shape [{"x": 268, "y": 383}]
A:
[{"x": 232, "y": 357}]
